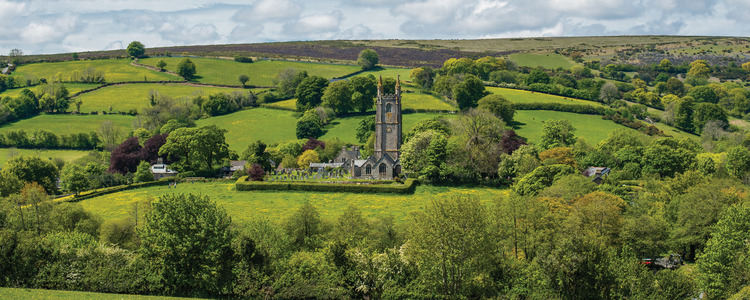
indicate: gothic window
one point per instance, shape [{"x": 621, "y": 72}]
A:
[
  {"x": 381, "y": 168},
  {"x": 388, "y": 108},
  {"x": 368, "y": 170}
]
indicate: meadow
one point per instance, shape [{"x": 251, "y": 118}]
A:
[
  {"x": 590, "y": 127},
  {"x": 71, "y": 87},
  {"x": 244, "y": 207},
  {"x": 115, "y": 70},
  {"x": 550, "y": 60},
  {"x": 39, "y": 294},
  {"x": 246, "y": 126},
  {"x": 346, "y": 128},
  {"x": 261, "y": 73},
  {"x": 521, "y": 96},
  {"x": 67, "y": 124},
  {"x": 65, "y": 155},
  {"x": 415, "y": 101},
  {"x": 125, "y": 97}
]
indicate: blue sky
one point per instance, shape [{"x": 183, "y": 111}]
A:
[{"x": 56, "y": 26}]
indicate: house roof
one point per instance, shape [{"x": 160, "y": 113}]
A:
[
  {"x": 236, "y": 165},
  {"x": 591, "y": 171},
  {"x": 162, "y": 169}
]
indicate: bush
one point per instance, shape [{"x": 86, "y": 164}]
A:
[
  {"x": 574, "y": 108},
  {"x": 355, "y": 187},
  {"x": 243, "y": 59}
]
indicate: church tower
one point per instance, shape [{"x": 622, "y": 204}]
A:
[{"x": 388, "y": 122}]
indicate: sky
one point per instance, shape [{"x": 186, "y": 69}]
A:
[{"x": 60, "y": 26}]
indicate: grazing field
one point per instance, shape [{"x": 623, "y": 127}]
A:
[
  {"x": 550, "y": 61},
  {"x": 66, "y": 155},
  {"x": 275, "y": 205},
  {"x": 521, "y": 96},
  {"x": 125, "y": 97},
  {"x": 39, "y": 294},
  {"x": 285, "y": 104},
  {"x": 261, "y": 73},
  {"x": 67, "y": 124},
  {"x": 676, "y": 133},
  {"x": 72, "y": 89},
  {"x": 389, "y": 72},
  {"x": 247, "y": 126},
  {"x": 416, "y": 101},
  {"x": 590, "y": 127},
  {"x": 346, "y": 129},
  {"x": 115, "y": 70}
]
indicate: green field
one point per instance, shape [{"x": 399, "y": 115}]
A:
[
  {"x": 125, "y": 97},
  {"x": 549, "y": 61},
  {"x": 285, "y": 104},
  {"x": 346, "y": 128},
  {"x": 72, "y": 89},
  {"x": 247, "y": 126},
  {"x": 67, "y": 124},
  {"x": 590, "y": 127},
  {"x": 261, "y": 73},
  {"x": 521, "y": 96},
  {"x": 13, "y": 293},
  {"x": 415, "y": 101},
  {"x": 390, "y": 72},
  {"x": 66, "y": 155},
  {"x": 115, "y": 70},
  {"x": 274, "y": 205}
]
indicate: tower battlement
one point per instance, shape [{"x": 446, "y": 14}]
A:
[{"x": 388, "y": 122}]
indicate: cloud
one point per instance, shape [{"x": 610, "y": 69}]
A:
[
  {"x": 265, "y": 10},
  {"x": 315, "y": 24},
  {"x": 358, "y": 32}
]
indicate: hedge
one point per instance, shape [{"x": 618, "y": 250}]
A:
[
  {"x": 573, "y": 108},
  {"x": 115, "y": 189},
  {"x": 368, "y": 187}
]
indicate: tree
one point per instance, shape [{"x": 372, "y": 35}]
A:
[
  {"x": 110, "y": 135},
  {"x": 136, "y": 49},
  {"x": 609, "y": 93},
  {"x": 499, "y": 106},
  {"x": 243, "y": 79},
  {"x": 307, "y": 157},
  {"x": 34, "y": 169},
  {"x": 256, "y": 172},
  {"x": 538, "y": 76},
  {"x": 424, "y": 153},
  {"x": 367, "y": 59},
  {"x": 684, "y": 114},
  {"x": 468, "y": 92},
  {"x": 10, "y": 184},
  {"x": 558, "y": 155},
  {"x": 542, "y": 177},
  {"x": 125, "y": 158},
  {"x": 196, "y": 148},
  {"x": 364, "y": 89},
  {"x": 557, "y": 133},
  {"x": 304, "y": 227},
  {"x": 309, "y": 125},
  {"x": 161, "y": 64},
  {"x": 738, "y": 162},
  {"x": 310, "y": 92},
  {"x": 706, "y": 112},
  {"x": 186, "y": 68},
  {"x": 143, "y": 172},
  {"x": 74, "y": 178},
  {"x": 452, "y": 244},
  {"x": 216, "y": 104},
  {"x": 150, "y": 151},
  {"x": 287, "y": 81},
  {"x": 423, "y": 76},
  {"x": 674, "y": 86},
  {"x": 704, "y": 94},
  {"x": 338, "y": 96},
  {"x": 365, "y": 128},
  {"x": 699, "y": 69},
  {"x": 189, "y": 253}
]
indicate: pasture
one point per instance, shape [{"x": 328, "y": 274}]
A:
[
  {"x": 39, "y": 294},
  {"x": 115, "y": 70},
  {"x": 125, "y": 97},
  {"x": 71, "y": 87},
  {"x": 550, "y": 60},
  {"x": 67, "y": 124},
  {"x": 65, "y": 155},
  {"x": 416, "y": 101},
  {"x": 261, "y": 73},
  {"x": 246, "y": 126},
  {"x": 346, "y": 128},
  {"x": 244, "y": 207},
  {"x": 590, "y": 127},
  {"x": 521, "y": 96}
]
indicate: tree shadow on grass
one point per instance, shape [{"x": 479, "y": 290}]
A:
[{"x": 517, "y": 125}]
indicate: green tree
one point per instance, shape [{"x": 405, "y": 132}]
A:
[
  {"x": 186, "y": 240},
  {"x": 541, "y": 178},
  {"x": 304, "y": 227},
  {"x": 705, "y": 112},
  {"x": 367, "y": 59},
  {"x": 10, "y": 184},
  {"x": 452, "y": 244},
  {"x": 161, "y": 64},
  {"x": 538, "y": 76},
  {"x": 143, "y": 172},
  {"x": 338, "y": 96},
  {"x": 308, "y": 157},
  {"x": 287, "y": 81},
  {"x": 468, "y": 92},
  {"x": 186, "y": 68},
  {"x": 196, "y": 148},
  {"x": 365, "y": 128},
  {"x": 674, "y": 86},
  {"x": 699, "y": 69},
  {"x": 74, "y": 178},
  {"x": 34, "y": 169},
  {"x": 499, "y": 106},
  {"x": 684, "y": 113},
  {"x": 243, "y": 79},
  {"x": 424, "y": 153},
  {"x": 609, "y": 93},
  {"x": 738, "y": 162},
  {"x": 557, "y": 133},
  {"x": 309, "y": 125},
  {"x": 364, "y": 89},
  {"x": 423, "y": 76},
  {"x": 310, "y": 92},
  {"x": 136, "y": 49}
]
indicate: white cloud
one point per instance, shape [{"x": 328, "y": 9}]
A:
[
  {"x": 265, "y": 10},
  {"x": 358, "y": 32},
  {"x": 315, "y": 24}
]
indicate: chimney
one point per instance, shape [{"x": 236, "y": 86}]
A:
[{"x": 343, "y": 148}]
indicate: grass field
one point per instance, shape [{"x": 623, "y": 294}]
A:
[
  {"x": 390, "y": 72},
  {"x": 115, "y": 70},
  {"x": 135, "y": 96},
  {"x": 261, "y": 73},
  {"x": 346, "y": 129},
  {"x": 67, "y": 124},
  {"x": 274, "y": 205},
  {"x": 416, "y": 101},
  {"x": 12, "y": 293},
  {"x": 592, "y": 128},
  {"x": 66, "y": 155},
  {"x": 72, "y": 89},
  {"x": 285, "y": 104},
  {"x": 550, "y": 61},
  {"x": 521, "y": 96},
  {"x": 247, "y": 126}
]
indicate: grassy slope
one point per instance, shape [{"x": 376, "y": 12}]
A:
[
  {"x": 346, "y": 129},
  {"x": 66, "y": 155},
  {"x": 135, "y": 96},
  {"x": 72, "y": 89},
  {"x": 261, "y": 73},
  {"x": 114, "y": 70},
  {"x": 67, "y": 124},
  {"x": 550, "y": 61},
  {"x": 13, "y": 293},
  {"x": 521, "y": 96},
  {"x": 592, "y": 128},
  {"x": 246, "y": 126},
  {"x": 247, "y": 206}
]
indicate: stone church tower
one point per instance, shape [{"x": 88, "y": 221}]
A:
[{"x": 388, "y": 122}]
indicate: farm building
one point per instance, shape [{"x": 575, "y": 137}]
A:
[{"x": 161, "y": 170}]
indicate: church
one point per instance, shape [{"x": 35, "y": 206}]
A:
[{"x": 384, "y": 163}]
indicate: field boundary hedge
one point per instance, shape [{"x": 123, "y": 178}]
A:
[
  {"x": 572, "y": 108},
  {"x": 365, "y": 187},
  {"x": 114, "y": 189}
]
